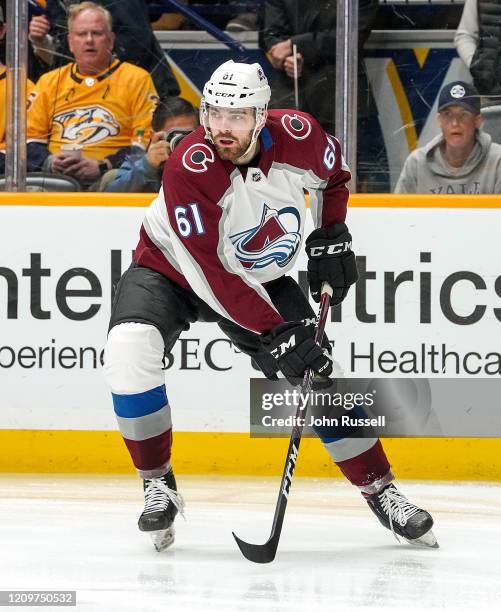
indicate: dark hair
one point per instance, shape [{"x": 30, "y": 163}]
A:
[{"x": 170, "y": 107}]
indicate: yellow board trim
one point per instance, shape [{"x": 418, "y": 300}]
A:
[
  {"x": 77, "y": 199},
  {"x": 357, "y": 200},
  {"x": 238, "y": 454}
]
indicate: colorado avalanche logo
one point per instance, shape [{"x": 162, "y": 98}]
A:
[
  {"x": 295, "y": 125},
  {"x": 197, "y": 157},
  {"x": 270, "y": 242}
]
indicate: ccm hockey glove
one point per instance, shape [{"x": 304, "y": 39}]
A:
[
  {"x": 294, "y": 349},
  {"x": 331, "y": 259}
]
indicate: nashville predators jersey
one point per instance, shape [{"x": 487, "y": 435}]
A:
[
  {"x": 3, "y": 105},
  {"x": 99, "y": 114}
]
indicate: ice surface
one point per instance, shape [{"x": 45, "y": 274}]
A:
[{"x": 80, "y": 533}]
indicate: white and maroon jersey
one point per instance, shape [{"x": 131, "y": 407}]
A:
[{"x": 222, "y": 230}]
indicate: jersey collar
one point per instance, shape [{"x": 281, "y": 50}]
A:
[
  {"x": 79, "y": 78},
  {"x": 266, "y": 139}
]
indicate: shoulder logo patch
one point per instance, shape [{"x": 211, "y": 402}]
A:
[
  {"x": 196, "y": 157},
  {"x": 30, "y": 99},
  {"x": 295, "y": 125}
]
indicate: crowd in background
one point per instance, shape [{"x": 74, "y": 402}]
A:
[{"x": 103, "y": 101}]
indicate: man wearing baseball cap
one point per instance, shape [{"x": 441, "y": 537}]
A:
[{"x": 462, "y": 158}]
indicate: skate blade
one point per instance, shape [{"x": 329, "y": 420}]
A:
[
  {"x": 162, "y": 538},
  {"x": 428, "y": 540}
]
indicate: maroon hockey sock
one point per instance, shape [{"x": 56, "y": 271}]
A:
[
  {"x": 367, "y": 469},
  {"x": 151, "y": 453}
]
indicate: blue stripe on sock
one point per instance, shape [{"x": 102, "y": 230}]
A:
[{"x": 140, "y": 404}]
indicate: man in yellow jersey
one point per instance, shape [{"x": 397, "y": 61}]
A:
[
  {"x": 3, "y": 96},
  {"x": 85, "y": 117}
]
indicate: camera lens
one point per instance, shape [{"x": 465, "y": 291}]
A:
[
  {"x": 175, "y": 136},
  {"x": 176, "y": 139}
]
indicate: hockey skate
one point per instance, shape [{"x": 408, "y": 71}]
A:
[
  {"x": 161, "y": 504},
  {"x": 402, "y": 517}
]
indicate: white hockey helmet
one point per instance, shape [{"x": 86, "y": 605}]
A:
[{"x": 237, "y": 85}]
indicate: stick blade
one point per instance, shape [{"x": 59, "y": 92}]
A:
[{"x": 258, "y": 553}]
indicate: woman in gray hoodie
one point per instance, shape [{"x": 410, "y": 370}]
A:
[{"x": 460, "y": 160}]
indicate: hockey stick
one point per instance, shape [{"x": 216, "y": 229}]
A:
[{"x": 264, "y": 553}]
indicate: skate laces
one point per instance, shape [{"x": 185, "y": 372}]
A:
[
  {"x": 398, "y": 508},
  {"x": 158, "y": 496}
]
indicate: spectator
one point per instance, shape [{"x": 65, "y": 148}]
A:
[
  {"x": 144, "y": 173},
  {"x": 36, "y": 67},
  {"x": 460, "y": 160},
  {"x": 135, "y": 40},
  {"x": 3, "y": 94},
  {"x": 478, "y": 43},
  {"x": 311, "y": 26},
  {"x": 84, "y": 116}
]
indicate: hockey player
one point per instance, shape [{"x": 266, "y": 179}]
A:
[{"x": 216, "y": 246}]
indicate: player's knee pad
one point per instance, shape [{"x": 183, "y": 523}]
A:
[{"x": 133, "y": 358}]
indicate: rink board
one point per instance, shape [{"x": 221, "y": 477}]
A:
[
  {"x": 60, "y": 254},
  {"x": 238, "y": 454}
]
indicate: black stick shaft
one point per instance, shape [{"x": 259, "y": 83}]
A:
[
  {"x": 297, "y": 431},
  {"x": 264, "y": 553}
]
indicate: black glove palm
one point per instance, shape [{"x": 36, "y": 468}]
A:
[{"x": 330, "y": 259}]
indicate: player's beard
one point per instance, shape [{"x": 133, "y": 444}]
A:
[{"x": 234, "y": 151}]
